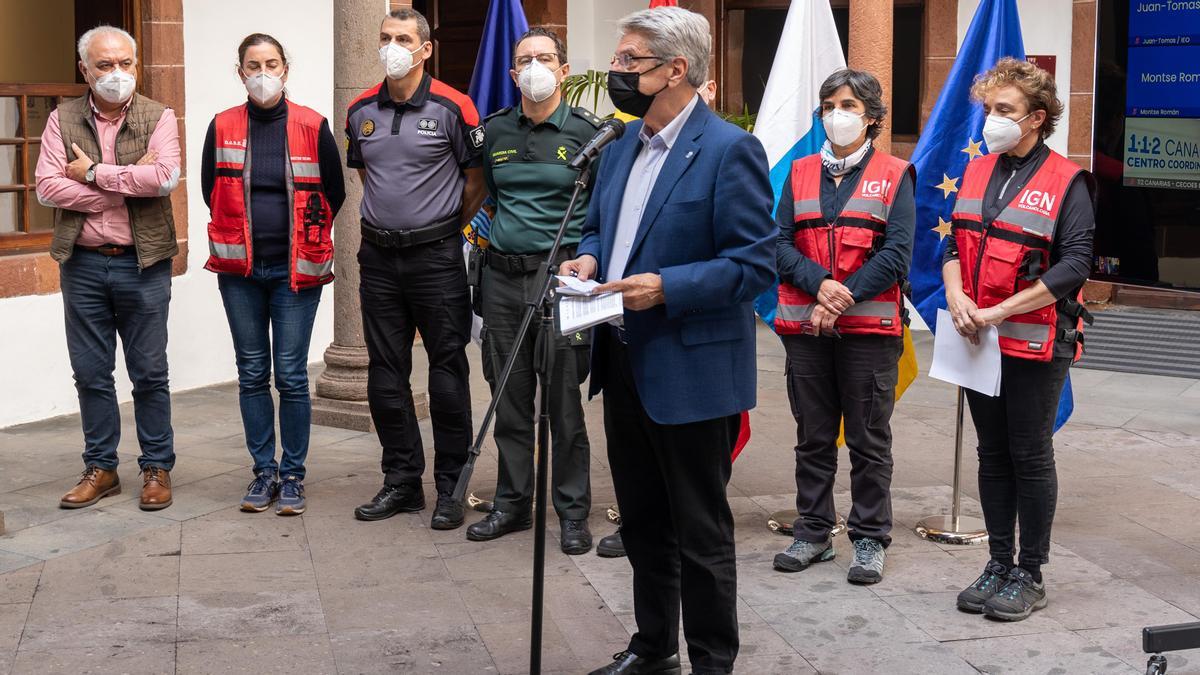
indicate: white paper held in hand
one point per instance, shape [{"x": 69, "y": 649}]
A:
[
  {"x": 577, "y": 312},
  {"x": 957, "y": 361},
  {"x": 575, "y": 285}
]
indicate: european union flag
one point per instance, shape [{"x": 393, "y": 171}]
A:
[
  {"x": 491, "y": 87},
  {"x": 952, "y": 137}
]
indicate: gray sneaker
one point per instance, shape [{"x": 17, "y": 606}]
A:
[
  {"x": 1019, "y": 597},
  {"x": 867, "y": 567},
  {"x": 801, "y": 554},
  {"x": 972, "y": 597}
]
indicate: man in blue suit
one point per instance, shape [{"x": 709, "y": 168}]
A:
[{"x": 680, "y": 223}]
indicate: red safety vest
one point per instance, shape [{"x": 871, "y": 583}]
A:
[
  {"x": 1012, "y": 252},
  {"x": 230, "y": 243},
  {"x": 844, "y": 245}
]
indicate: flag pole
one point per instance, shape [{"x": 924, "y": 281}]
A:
[{"x": 955, "y": 529}]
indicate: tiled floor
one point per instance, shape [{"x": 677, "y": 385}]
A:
[{"x": 203, "y": 588}]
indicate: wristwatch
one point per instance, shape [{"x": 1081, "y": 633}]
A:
[{"x": 90, "y": 176}]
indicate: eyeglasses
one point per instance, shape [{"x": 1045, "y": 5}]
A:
[
  {"x": 546, "y": 59},
  {"x": 626, "y": 61}
]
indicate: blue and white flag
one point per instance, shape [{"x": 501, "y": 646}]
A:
[
  {"x": 787, "y": 124},
  {"x": 491, "y": 86}
]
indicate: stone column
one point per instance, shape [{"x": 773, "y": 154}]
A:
[
  {"x": 871, "y": 50},
  {"x": 341, "y": 397}
]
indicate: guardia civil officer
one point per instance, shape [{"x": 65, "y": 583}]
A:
[
  {"x": 1021, "y": 250},
  {"x": 526, "y": 151},
  {"x": 415, "y": 142},
  {"x": 846, "y": 222}
]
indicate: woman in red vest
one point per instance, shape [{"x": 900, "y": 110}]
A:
[
  {"x": 1021, "y": 250},
  {"x": 846, "y": 221},
  {"x": 272, "y": 179}
]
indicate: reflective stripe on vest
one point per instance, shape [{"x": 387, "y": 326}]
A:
[
  {"x": 1028, "y": 332},
  {"x": 227, "y": 251},
  {"x": 313, "y": 269},
  {"x": 231, "y": 156}
]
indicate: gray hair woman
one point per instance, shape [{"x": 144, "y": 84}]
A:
[{"x": 846, "y": 222}]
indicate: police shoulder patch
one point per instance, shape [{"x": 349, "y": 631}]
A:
[
  {"x": 477, "y": 137},
  {"x": 367, "y": 128}
]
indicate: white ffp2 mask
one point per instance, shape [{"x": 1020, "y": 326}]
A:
[
  {"x": 263, "y": 87},
  {"x": 537, "y": 82},
  {"x": 115, "y": 86},
  {"x": 842, "y": 126},
  {"x": 1002, "y": 134},
  {"x": 397, "y": 60}
]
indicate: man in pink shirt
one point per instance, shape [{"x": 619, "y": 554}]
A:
[{"x": 109, "y": 162}]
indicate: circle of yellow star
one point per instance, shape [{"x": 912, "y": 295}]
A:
[
  {"x": 947, "y": 186},
  {"x": 943, "y": 228},
  {"x": 972, "y": 149}
]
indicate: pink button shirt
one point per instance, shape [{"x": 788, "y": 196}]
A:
[{"x": 108, "y": 219}]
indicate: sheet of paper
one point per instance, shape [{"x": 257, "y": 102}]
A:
[
  {"x": 957, "y": 361},
  {"x": 574, "y": 286},
  {"x": 576, "y": 312}
]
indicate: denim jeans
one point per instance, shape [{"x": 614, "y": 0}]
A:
[
  {"x": 272, "y": 324},
  {"x": 1018, "y": 482},
  {"x": 104, "y": 297}
]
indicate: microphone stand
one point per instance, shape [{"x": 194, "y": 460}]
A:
[{"x": 544, "y": 367}]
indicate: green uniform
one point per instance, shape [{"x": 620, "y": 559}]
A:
[{"x": 525, "y": 166}]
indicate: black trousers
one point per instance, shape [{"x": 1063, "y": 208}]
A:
[
  {"x": 828, "y": 379},
  {"x": 421, "y": 288},
  {"x": 1017, "y": 477},
  {"x": 676, "y": 524},
  {"x": 504, "y": 304}
]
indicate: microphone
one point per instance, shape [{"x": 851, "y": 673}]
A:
[{"x": 611, "y": 130}]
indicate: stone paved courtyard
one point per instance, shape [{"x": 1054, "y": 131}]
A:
[{"x": 203, "y": 588}]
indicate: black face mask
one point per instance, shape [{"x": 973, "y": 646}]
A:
[{"x": 623, "y": 90}]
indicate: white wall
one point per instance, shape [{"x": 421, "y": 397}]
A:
[
  {"x": 1045, "y": 29},
  {"x": 37, "y": 374},
  {"x": 592, "y": 35}
]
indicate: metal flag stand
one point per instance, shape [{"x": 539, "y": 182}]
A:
[{"x": 955, "y": 528}]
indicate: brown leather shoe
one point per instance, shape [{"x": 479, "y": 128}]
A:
[
  {"x": 156, "y": 489},
  {"x": 94, "y": 484}
]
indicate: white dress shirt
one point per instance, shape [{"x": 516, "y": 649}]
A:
[{"x": 643, "y": 175}]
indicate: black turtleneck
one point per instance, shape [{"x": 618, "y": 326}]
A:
[
  {"x": 268, "y": 178},
  {"x": 1071, "y": 250}
]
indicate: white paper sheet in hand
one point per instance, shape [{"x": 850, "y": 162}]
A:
[
  {"x": 576, "y": 312},
  {"x": 957, "y": 361}
]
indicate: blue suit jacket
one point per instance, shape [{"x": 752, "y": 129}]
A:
[{"x": 708, "y": 230}]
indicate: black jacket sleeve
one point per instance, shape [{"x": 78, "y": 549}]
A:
[
  {"x": 332, "y": 181},
  {"x": 1072, "y": 252},
  {"x": 891, "y": 262},
  {"x": 208, "y": 163},
  {"x": 793, "y": 266}
]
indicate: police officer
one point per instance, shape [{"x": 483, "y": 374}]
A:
[
  {"x": 416, "y": 143},
  {"x": 1021, "y": 250},
  {"x": 526, "y": 151},
  {"x": 846, "y": 220}
]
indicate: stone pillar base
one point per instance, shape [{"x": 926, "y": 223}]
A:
[
  {"x": 330, "y": 412},
  {"x": 341, "y": 396}
]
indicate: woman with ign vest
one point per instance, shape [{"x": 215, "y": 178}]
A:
[
  {"x": 846, "y": 221},
  {"x": 1021, "y": 250},
  {"x": 272, "y": 179}
]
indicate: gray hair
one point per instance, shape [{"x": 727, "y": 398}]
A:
[
  {"x": 865, "y": 88},
  {"x": 85, "y": 40},
  {"x": 672, "y": 32}
]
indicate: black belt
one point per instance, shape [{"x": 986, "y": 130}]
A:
[
  {"x": 410, "y": 238},
  {"x": 523, "y": 264},
  {"x": 109, "y": 250}
]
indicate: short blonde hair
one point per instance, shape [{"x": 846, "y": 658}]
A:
[{"x": 1036, "y": 84}]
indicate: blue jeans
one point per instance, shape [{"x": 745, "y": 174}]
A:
[
  {"x": 104, "y": 297},
  {"x": 272, "y": 323}
]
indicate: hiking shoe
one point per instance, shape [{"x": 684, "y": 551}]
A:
[
  {"x": 867, "y": 567},
  {"x": 972, "y": 597},
  {"x": 261, "y": 492},
  {"x": 291, "y": 497},
  {"x": 1019, "y": 597},
  {"x": 801, "y": 554}
]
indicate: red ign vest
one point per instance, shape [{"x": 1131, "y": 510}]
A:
[
  {"x": 844, "y": 245},
  {"x": 229, "y": 240},
  {"x": 1010, "y": 254}
]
